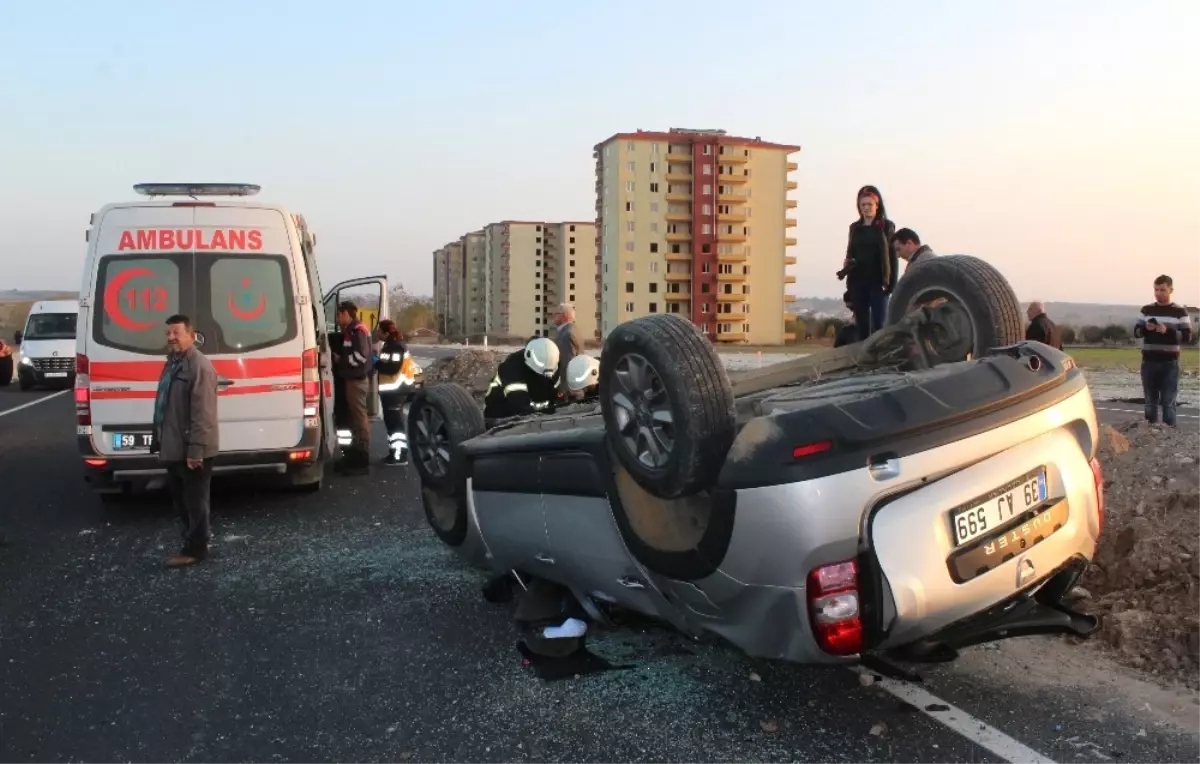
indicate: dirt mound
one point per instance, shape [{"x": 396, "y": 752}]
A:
[
  {"x": 473, "y": 369},
  {"x": 1146, "y": 578}
]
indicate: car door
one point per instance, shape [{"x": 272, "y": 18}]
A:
[{"x": 370, "y": 295}]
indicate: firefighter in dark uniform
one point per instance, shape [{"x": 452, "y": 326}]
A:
[
  {"x": 525, "y": 382},
  {"x": 582, "y": 379},
  {"x": 352, "y": 364},
  {"x": 396, "y": 387}
]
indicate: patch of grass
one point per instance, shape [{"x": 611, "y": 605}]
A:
[
  {"x": 12, "y": 317},
  {"x": 1126, "y": 357}
]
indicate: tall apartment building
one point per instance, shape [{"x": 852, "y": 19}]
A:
[
  {"x": 532, "y": 267},
  {"x": 475, "y": 284},
  {"x": 695, "y": 222},
  {"x": 441, "y": 288}
]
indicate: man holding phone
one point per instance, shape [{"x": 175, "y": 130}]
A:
[{"x": 1164, "y": 327}]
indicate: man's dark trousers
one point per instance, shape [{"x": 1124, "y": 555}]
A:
[
  {"x": 1160, "y": 385},
  {"x": 190, "y": 495}
]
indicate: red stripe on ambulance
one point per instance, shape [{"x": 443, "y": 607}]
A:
[{"x": 243, "y": 368}]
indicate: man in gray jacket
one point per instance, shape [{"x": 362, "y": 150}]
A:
[
  {"x": 569, "y": 344},
  {"x": 185, "y": 435},
  {"x": 909, "y": 248}
]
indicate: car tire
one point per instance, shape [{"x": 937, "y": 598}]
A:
[
  {"x": 440, "y": 419},
  {"x": 987, "y": 297},
  {"x": 666, "y": 356},
  {"x": 24, "y": 384},
  {"x": 6, "y": 371}
]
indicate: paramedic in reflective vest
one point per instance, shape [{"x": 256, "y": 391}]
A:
[
  {"x": 525, "y": 382},
  {"x": 396, "y": 386},
  {"x": 352, "y": 362},
  {"x": 583, "y": 378}
]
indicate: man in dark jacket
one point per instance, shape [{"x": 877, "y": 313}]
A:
[
  {"x": 908, "y": 247},
  {"x": 352, "y": 363},
  {"x": 185, "y": 435},
  {"x": 525, "y": 382},
  {"x": 1041, "y": 328}
]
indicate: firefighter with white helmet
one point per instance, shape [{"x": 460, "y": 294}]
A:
[
  {"x": 583, "y": 377},
  {"x": 397, "y": 383},
  {"x": 525, "y": 381}
]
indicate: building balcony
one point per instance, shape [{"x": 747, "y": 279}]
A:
[
  {"x": 733, "y": 178},
  {"x": 672, "y": 276},
  {"x": 679, "y": 217},
  {"x": 731, "y": 336},
  {"x": 791, "y": 204},
  {"x": 792, "y": 185},
  {"x": 679, "y": 236},
  {"x": 731, "y": 257},
  {"x": 792, "y": 166},
  {"x": 789, "y": 260},
  {"x": 732, "y": 197},
  {"x": 677, "y": 157},
  {"x": 789, "y": 222},
  {"x": 789, "y": 336},
  {"x": 789, "y": 279},
  {"x": 678, "y": 257},
  {"x": 790, "y": 241},
  {"x": 731, "y": 217},
  {"x": 677, "y": 296},
  {"x": 737, "y": 276},
  {"x": 737, "y": 156},
  {"x": 736, "y": 236},
  {"x": 731, "y": 297},
  {"x": 788, "y": 316},
  {"x": 678, "y": 177},
  {"x": 677, "y": 196}
]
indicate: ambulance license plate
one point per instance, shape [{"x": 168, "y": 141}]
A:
[{"x": 132, "y": 441}]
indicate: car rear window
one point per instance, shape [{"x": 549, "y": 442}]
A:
[
  {"x": 249, "y": 301},
  {"x": 134, "y": 297}
]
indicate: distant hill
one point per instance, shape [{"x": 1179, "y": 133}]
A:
[
  {"x": 1068, "y": 313},
  {"x": 33, "y": 295}
]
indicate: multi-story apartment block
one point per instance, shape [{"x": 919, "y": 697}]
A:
[
  {"x": 695, "y": 222},
  {"x": 475, "y": 284},
  {"x": 570, "y": 274},
  {"x": 515, "y": 254},
  {"x": 441, "y": 288}
]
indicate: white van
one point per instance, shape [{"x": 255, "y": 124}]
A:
[
  {"x": 246, "y": 275},
  {"x": 47, "y": 345}
]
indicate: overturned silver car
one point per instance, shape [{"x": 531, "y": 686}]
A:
[{"x": 933, "y": 487}]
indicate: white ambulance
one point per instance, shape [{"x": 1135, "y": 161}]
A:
[{"x": 246, "y": 275}]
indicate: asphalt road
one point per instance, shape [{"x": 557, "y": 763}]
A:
[{"x": 335, "y": 627}]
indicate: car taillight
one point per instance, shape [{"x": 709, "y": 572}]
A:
[
  {"x": 1098, "y": 476},
  {"x": 83, "y": 394},
  {"x": 309, "y": 364},
  {"x": 833, "y": 608},
  {"x": 811, "y": 449}
]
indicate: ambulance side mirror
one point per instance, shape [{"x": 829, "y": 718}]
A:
[{"x": 18, "y": 337}]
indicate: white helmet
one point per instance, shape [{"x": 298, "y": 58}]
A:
[
  {"x": 583, "y": 371},
  {"x": 541, "y": 355}
]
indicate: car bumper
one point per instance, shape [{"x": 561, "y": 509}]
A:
[
  {"x": 32, "y": 376},
  {"x": 108, "y": 472}
]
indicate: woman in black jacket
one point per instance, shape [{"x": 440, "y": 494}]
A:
[
  {"x": 395, "y": 389},
  {"x": 871, "y": 266}
]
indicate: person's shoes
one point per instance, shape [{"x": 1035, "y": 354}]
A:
[
  {"x": 184, "y": 559},
  {"x": 392, "y": 460}
]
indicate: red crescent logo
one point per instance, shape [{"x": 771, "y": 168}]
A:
[
  {"x": 112, "y": 299},
  {"x": 248, "y": 315}
]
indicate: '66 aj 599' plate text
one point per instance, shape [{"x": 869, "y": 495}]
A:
[{"x": 998, "y": 507}]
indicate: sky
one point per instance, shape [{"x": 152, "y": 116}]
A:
[{"x": 1061, "y": 141}]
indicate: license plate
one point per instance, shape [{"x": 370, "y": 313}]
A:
[
  {"x": 56, "y": 374},
  {"x": 132, "y": 441},
  {"x": 998, "y": 508}
]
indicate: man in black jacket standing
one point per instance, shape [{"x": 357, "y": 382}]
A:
[
  {"x": 1041, "y": 328},
  {"x": 1164, "y": 327}
]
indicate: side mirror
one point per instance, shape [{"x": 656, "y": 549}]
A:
[{"x": 18, "y": 337}]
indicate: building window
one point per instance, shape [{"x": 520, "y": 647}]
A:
[
  {"x": 675, "y": 249},
  {"x": 572, "y": 241},
  {"x": 572, "y": 263},
  {"x": 653, "y": 307},
  {"x": 629, "y": 166},
  {"x": 629, "y": 186},
  {"x": 654, "y": 206},
  {"x": 706, "y": 268},
  {"x": 705, "y": 248},
  {"x": 630, "y": 226},
  {"x": 707, "y": 149},
  {"x": 654, "y": 188},
  {"x": 704, "y": 306},
  {"x": 707, "y": 190},
  {"x": 628, "y": 287},
  {"x": 654, "y": 267},
  {"x": 630, "y": 146},
  {"x": 572, "y": 250},
  {"x": 654, "y": 244},
  {"x": 628, "y": 307},
  {"x": 706, "y": 209},
  {"x": 653, "y": 148},
  {"x": 653, "y": 287},
  {"x": 629, "y": 267},
  {"x": 629, "y": 246},
  {"x": 538, "y": 228},
  {"x": 651, "y": 167},
  {"x": 629, "y": 206},
  {"x": 745, "y": 289},
  {"x": 653, "y": 227},
  {"x": 706, "y": 229},
  {"x": 571, "y": 298},
  {"x": 706, "y": 169},
  {"x": 572, "y": 275},
  {"x": 537, "y": 262}
]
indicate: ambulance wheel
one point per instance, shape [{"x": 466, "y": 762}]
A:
[
  {"x": 667, "y": 404},
  {"x": 440, "y": 419},
  {"x": 974, "y": 285}
]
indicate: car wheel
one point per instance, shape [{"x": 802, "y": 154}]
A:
[
  {"x": 24, "y": 384},
  {"x": 6, "y": 371},
  {"x": 975, "y": 286},
  {"x": 667, "y": 405},
  {"x": 441, "y": 418}
]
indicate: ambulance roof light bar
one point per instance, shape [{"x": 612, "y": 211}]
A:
[{"x": 196, "y": 189}]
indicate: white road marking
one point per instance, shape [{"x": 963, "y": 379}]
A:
[
  {"x": 977, "y": 731},
  {"x": 1140, "y": 411},
  {"x": 15, "y": 409}
]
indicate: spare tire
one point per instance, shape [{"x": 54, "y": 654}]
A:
[
  {"x": 981, "y": 290},
  {"x": 440, "y": 419},
  {"x": 667, "y": 405}
]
